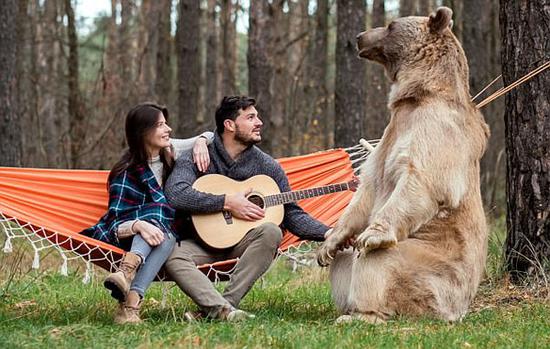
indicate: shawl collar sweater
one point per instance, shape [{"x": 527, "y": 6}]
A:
[{"x": 252, "y": 161}]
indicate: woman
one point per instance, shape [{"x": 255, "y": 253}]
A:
[{"x": 139, "y": 219}]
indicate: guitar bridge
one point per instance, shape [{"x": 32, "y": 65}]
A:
[{"x": 228, "y": 217}]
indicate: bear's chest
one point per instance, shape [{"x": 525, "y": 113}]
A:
[{"x": 391, "y": 160}]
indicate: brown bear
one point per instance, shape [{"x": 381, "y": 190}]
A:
[{"x": 417, "y": 217}]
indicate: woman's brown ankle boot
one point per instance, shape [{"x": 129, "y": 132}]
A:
[
  {"x": 119, "y": 282},
  {"x": 128, "y": 313}
]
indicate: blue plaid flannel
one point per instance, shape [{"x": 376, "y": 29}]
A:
[{"x": 134, "y": 194}]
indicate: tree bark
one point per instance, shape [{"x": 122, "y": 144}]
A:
[
  {"x": 377, "y": 91},
  {"x": 424, "y": 7},
  {"x": 457, "y": 7},
  {"x": 260, "y": 70},
  {"x": 408, "y": 7},
  {"x": 212, "y": 94},
  {"x": 279, "y": 57},
  {"x": 304, "y": 133},
  {"x": 113, "y": 91},
  {"x": 149, "y": 18},
  {"x": 349, "y": 91},
  {"x": 188, "y": 67},
  {"x": 525, "y": 28},
  {"x": 229, "y": 48},
  {"x": 76, "y": 114},
  {"x": 493, "y": 164},
  {"x": 23, "y": 84},
  {"x": 10, "y": 141},
  {"x": 127, "y": 57},
  {"x": 30, "y": 123},
  {"x": 164, "y": 74},
  {"x": 319, "y": 74},
  {"x": 477, "y": 28},
  {"x": 50, "y": 118}
]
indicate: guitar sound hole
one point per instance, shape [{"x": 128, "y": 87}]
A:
[{"x": 256, "y": 200}]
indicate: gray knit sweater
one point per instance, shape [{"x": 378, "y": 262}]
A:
[{"x": 251, "y": 162}]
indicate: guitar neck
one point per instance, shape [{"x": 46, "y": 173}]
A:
[{"x": 292, "y": 196}]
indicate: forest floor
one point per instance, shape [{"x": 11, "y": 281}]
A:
[{"x": 293, "y": 309}]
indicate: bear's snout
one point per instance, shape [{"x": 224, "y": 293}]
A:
[{"x": 368, "y": 42}]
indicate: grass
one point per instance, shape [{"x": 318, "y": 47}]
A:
[{"x": 293, "y": 310}]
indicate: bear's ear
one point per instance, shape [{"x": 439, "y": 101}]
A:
[{"x": 440, "y": 20}]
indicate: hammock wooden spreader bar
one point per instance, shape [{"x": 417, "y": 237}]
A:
[
  {"x": 55, "y": 205},
  {"x": 506, "y": 89}
]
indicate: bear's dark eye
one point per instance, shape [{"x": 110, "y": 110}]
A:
[{"x": 391, "y": 26}]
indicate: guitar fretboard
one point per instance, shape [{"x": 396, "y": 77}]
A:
[{"x": 292, "y": 196}]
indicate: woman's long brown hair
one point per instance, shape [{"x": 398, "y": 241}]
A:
[{"x": 140, "y": 121}]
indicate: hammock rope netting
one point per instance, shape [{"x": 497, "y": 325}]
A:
[{"x": 48, "y": 207}]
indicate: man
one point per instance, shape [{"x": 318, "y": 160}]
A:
[{"x": 233, "y": 154}]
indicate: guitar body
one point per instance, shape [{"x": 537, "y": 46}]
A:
[{"x": 222, "y": 230}]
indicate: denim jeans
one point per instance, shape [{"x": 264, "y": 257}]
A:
[{"x": 153, "y": 257}]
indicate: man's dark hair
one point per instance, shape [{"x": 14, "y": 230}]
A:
[{"x": 230, "y": 107}]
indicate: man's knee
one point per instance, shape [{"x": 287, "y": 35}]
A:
[
  {"x": 180, "y": 254},
  {"x": 271, "y": 234}
]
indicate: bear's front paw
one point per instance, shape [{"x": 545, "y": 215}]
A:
[
  {"x": 375, "y": 237},
  {"x": 326, "y": 253}
]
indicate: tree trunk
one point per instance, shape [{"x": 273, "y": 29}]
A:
[
  {"x": 50, "y": 117},
  {"x": 377, "y": 91},
  {"x": 425, "y": 7},
  {"x": 300, "y": 111},
  {"x": 76, "y": 114},
  {"x": 10, "y": 141},
  {"x": 349, "y": 91},
  {"x": 525, "y": 45},
  {"x": 493, "y": 164},
  {"x": 280, "y": 84},
  {"x": 229, "y": 48},
  {"x": 149, "y": 17},
  {"x": 407, "y": 8},
  {"x": 30, "y": 123},
  {"x": 321, "y": 114},
  {"x": 456, "y": 6},
  {"x": 477, "y": 28},
  {"x": 164, "y": 65},
  {"x": 260, "y": 70},
  {"x": 111, "y": 101},
  {"x": 127, "y": 58},
  {"x": 212, "y": 94},
  {"x": 188, "y": 67},
  {"x": 23, "y": 85}
]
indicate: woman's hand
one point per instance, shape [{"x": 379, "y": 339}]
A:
[
  {"x": 149, "y": 232},
  {"x": 200, "y": 154}
]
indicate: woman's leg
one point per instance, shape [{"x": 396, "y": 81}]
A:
[
  {"x": 119, "y": 282},
  {"x": 151, "y": 263},
  {"x": 140, "y": 247}
]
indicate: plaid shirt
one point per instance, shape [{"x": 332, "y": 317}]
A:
[{"x": 134, "y": 194}]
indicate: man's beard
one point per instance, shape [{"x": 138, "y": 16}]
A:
[{"x": 242, "y": 138}]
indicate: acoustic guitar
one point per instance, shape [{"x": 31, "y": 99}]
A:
[{"x": 223, "y": 230}]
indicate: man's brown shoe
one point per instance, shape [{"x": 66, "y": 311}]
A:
[{"x": 234, "y": 315}]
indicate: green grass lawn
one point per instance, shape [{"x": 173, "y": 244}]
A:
[{"x": 293, "y": 310}]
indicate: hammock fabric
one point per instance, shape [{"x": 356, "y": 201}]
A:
[{"x": 57, "y": 204}]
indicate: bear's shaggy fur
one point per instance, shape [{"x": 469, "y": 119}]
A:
[{"x": 418, "y": 219}]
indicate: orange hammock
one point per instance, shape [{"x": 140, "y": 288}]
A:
[{"x": 57, "y": 204}]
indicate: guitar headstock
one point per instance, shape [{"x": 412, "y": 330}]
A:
[{"x": 354, "y": 183}]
